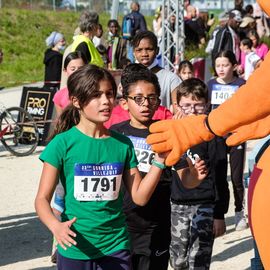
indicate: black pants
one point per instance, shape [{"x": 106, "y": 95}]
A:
[
  {"x": 150, "y": 249},
  {"x": 236, "y": 161}
]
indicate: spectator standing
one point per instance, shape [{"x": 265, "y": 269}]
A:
[
  {"x": 116, "y": 46},
  {"x": 258, "y": 46},
  {"x": 238, "y": 5},
  {"x": 53, "y": 58},
  {"x": 252, "y": 60},
  {"x": 247, "y": 24},
  {"x": 72, "y": 62},
  {"x": 186, "y": 4},
  {"x": 195, "y": 30},
  {"x": 226, "y": 37},
  {"x": 83, "y": 42},
  {"x": 195, "y": 27},
  {"x": 249, "y": 11},
  {"x": 138, "y": 24},
  {"x": 66, "y": 52},
  {"x": 97, "y": 39}
]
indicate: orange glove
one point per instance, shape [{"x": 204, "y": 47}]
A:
[
  {"x": 178, "y": 135},
  {"x": 255, "y": 130}
]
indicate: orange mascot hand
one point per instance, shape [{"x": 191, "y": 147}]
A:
[
  {"x": 255, "y": 130},
  {"x": 177, "y": 136}
]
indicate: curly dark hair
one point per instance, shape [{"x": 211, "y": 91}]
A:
[{"x": 138, "y": 72}]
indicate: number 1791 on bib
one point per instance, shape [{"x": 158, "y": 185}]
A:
[{"x": 97, "y": 188}]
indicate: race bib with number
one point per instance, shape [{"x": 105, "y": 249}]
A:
[
  {"x": 221, "y": 93},
  {"x": 143, "y": 152},
  {"x": 100, "y": 182}
]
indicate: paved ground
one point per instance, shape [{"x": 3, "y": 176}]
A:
[{"x": 25, "y": 243}]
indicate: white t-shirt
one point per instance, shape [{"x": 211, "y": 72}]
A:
[
  {"x": 251, "y": 60},
  {"x": 168, "y": 81},
  {"x": 96, "y": 41}
]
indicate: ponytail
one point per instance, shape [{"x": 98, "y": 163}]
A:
[{"x": 69, "y": 117}]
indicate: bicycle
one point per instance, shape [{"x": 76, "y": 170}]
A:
[{"x": 18, "y": 131}]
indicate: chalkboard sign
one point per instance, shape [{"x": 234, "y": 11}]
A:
[{"x": 38, "y": 102}]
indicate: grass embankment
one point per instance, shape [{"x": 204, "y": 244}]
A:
[{"x": 22, "y": 38}]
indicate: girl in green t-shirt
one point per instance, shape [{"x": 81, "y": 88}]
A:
[{"x": 91, "y": 163}]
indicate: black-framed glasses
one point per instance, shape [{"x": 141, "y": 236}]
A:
[
  {"x": 152, "y": 100},
  {"x": 198, "y": 107}
]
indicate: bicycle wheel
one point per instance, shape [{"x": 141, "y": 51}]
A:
[{"x": 21, "y": 135}]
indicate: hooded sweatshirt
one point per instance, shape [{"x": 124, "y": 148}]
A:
[{"x": 53, "y": 67}]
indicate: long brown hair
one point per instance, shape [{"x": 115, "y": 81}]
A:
[{"x": 83, "y": 84}]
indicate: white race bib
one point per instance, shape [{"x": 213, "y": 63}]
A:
[
  {"x": 143, "y": 152},
  {"x": 100, "y": 182},
  {"x": 221, "y": 93}
]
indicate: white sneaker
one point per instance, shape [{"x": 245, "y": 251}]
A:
[{"x": 240, "y": 221}]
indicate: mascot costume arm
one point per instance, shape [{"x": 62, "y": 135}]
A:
[
  {"x": 248, "y": 105},
  {"x": 246, "y": 113}
]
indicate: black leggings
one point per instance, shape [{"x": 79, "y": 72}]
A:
[{"x": 237, "y": 161}]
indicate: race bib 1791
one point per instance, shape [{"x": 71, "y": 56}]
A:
[{"x": 97, "y": 182}]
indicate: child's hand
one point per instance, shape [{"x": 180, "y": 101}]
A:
[
  {"x": 62, "y": 234},
  {"x": 178, "y": 115},
  {"x": 160, "y": 157},
  {"x": 198, "y": 169},
  {"x": 219, "y": 227}
]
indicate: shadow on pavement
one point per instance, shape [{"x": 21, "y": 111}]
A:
[
  {"x": 23, "y": 237},
  {"x": 235, "y": 250}
]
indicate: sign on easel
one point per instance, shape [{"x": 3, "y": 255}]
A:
[{"x": 38, "y": 102}]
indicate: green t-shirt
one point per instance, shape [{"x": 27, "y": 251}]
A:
[{"x": 91, "y": 173}]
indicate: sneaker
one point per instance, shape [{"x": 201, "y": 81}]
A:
[{"x": 240, "y": 221}]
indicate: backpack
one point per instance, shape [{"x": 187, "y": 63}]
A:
[
  {"x": 127, "y": 27},
  {"x": 223, "y": 41}
]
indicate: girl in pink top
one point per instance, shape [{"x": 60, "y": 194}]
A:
[
  {"x": 72, "y": 62},
  {"x": 261, "y": 49}
]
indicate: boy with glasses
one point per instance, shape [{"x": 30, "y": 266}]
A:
[
  {"x": 197, "y": 208},
  {"x": 149, "y": 225}
]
